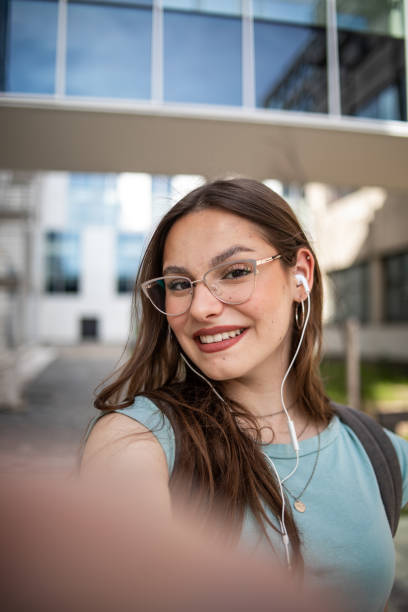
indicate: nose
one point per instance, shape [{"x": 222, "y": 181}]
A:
[{"x": 204, "y": 304}]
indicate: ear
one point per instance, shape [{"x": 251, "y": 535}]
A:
[{"x": 305, "y": 267}]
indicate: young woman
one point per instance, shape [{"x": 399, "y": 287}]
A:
[{"x": 223, "y": 392}]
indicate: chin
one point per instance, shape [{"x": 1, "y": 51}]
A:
[{"x": 221, "y": 372}]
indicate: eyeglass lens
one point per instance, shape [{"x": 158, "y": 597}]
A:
[{"x": 231, "y": 283}]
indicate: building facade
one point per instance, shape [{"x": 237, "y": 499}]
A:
[
  {"x": 100, "y": 99},
  {"x": 300, "y": 90}
]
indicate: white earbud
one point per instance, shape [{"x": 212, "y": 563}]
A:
[{"x": 303, "y": 281}]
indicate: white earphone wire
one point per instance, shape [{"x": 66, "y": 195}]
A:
[{"x": 291, "y": 426}]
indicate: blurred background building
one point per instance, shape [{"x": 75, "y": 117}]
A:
[{"x": 110, "y": 110}]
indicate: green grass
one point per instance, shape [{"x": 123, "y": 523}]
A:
[{"x": 380, "y": 381}]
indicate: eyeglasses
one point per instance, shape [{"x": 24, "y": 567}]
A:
[{"x": 231, "y": 283}]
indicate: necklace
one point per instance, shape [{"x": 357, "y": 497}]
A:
[
  {"x": 298, "y": 504},
  {"x": 264, "y": 416},
  {"x": 299, "y": 435}
]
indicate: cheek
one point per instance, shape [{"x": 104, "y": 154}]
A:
[
  {"x": 272, "y": 313},
  {"x": 177, "y": 325}
]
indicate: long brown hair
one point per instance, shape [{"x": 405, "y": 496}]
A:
[{"x": 216, "y": 457}]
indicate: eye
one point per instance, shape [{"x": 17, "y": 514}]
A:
[
  {"x": 237, "y": 271},
  {"x": 178, "y": 284}
]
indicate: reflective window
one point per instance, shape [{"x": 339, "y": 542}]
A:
[
  {"x": 396, "y": 287},
  {"x": 226, "y": 7},
  {"x": 371, "y": 55},
  {"x": 202, "y": 58},
  {"x": 62, "y": 262},
  {"x": 130, "y": 249},
  {"x": 93, "y": 199},
  {"x": 310, "y": 12},
  {"x": 108, "y": 50},
  {"x": 161, "y": 196},
  {"x": 352, "y": 293},
  {"x": 135, "y": 3},
  {"x": 29, "y": 50},
  {"x": 290, "y": 55}
]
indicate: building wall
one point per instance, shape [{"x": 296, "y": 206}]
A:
[
  {"x": 60, "y": 314},
  {"x": 362, "y": 228}
]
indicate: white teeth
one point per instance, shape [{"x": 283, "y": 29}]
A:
[{"x": 220, "y": 337}]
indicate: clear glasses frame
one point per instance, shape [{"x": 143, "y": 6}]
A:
[{"x": 254, "y": 262}]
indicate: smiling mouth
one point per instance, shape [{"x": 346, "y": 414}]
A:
[{"x": 220, "y": 337}]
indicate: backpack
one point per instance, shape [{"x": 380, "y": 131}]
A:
[{"x": 382, "y": 455}]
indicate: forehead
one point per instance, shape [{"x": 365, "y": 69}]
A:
[{"x": 199, "y": 236}]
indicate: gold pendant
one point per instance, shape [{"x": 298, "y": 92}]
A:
[{"x": 299, "y": 505}]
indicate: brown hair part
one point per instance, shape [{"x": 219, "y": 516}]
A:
[{"x": 215, "y": 458}]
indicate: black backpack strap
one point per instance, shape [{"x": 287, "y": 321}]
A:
[{"x": 382, "y": 455}]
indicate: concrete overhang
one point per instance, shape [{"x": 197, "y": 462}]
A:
[{"x": 108, "y": 136}]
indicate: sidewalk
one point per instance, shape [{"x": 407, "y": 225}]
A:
[{"x": 57, "y": 405}]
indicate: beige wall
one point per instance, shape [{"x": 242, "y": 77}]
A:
[{"x": 364, "y": 226}]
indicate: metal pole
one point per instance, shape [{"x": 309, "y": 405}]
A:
[
  {"x": 333, "y": 66},
  {"x": 248, "y": 56},
  {"x": 60, "y": 62},
  {"x": 157, "y": 53}
]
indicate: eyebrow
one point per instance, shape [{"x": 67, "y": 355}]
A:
[{"x": 218, "y": 259}]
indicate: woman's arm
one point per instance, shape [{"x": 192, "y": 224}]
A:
[{"x": 123, "y": 448}]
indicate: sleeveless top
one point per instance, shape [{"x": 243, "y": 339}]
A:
[{"x": 346, "y": 539}]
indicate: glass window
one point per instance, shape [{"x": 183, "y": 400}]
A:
[
  {"x": 310, "y": 12},
  {"x": 371, "y": 55},
  {"x": 130, "y": 249},
  {"x": 202, "y": 58},
  {"x": 290, "y": 55},
  {"x": 352, "y": 293},
  {"x": 93, "y": 199},
  {"x": 161, "y": 196},
  {"x": 62, "y": 262},
  {"x": 226, "y": 7},
  {"x": 108, "y": 50},
  {"x": 29, "y": 51},
  {"x": 396, "y": 287}
]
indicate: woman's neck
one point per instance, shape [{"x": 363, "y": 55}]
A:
[{"x": 264, "y": 402}]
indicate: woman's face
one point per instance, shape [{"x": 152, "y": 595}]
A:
[{"x": 264, "y": 320}]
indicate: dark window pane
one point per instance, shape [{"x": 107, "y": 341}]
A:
[
  {"x": 31, "y": 48},
  {"x": 371, "y": 54},
  {"x": 129, "y": 252},
  {"x": 372, "y": 75},
  {"x": 376, "y": 16},
  {"x": 62, "y": 262},
  {"x": 89, "y": 329},
  {"x": 290, "y": 66},
  {"x": 108, "y": 51},
  {"x": 352, "y": 293},
  {"x": 202, "y": 58},
  {"x": 396, "y": 287}
]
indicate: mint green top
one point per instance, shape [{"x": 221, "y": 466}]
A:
[{"x": 347, "y": 542}]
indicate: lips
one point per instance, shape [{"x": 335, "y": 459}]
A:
[{"x": 210, "y": 340}]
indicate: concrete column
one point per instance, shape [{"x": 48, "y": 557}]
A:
[
  {"x": 376, "y": 291},
  {"x": 353, "y": 363}
]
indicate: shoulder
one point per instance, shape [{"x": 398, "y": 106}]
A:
[
  {"x": 138, "y": 429},
  {"x": 353, "y": 426}
]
